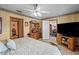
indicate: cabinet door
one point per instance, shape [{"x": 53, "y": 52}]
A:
[
  {"x": 71, "y": 43},
  {"x": 59, "y": 38}
]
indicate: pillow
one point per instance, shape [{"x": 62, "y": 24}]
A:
[
  {"x": 11, "y": 44},
  {"x": 3, "y": 48}
]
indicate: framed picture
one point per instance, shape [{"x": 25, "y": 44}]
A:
[
  {"x": 0, "y": 25},
  {"x": 26, "y": 23}
]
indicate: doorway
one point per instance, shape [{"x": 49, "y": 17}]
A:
[
  {"x": 16, "y": 28},
  {"x": 53, "y": 28},
  {"x": 53, "y": 31},
  {"x": 49, "y": 31}
]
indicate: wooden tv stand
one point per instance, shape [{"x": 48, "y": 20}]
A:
[{"x": 70, "y": 41}]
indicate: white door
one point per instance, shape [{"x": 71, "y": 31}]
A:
[{"x": 45, "y": 29}]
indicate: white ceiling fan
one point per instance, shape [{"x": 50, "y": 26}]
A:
[{"x": 36, "y": 11}]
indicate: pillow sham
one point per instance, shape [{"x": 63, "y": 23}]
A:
[
  {"x": 11, "y": 44},
  {"x": 3, "y": 48}
]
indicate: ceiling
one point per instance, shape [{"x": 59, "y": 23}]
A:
[{"x": 53, "y": 9}]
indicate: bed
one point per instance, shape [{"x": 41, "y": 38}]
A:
[{"x": 29, "y": 46}]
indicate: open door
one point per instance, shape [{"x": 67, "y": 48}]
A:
[{"x": 16, "y": 28}]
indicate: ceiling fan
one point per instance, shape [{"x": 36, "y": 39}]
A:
[{"x": 36, "y": 11}]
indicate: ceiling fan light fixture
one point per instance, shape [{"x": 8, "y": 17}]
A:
[
  {"x": 39, "y": 14},
  {"x": 35, "y": 14}
]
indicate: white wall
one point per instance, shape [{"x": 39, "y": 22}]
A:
[{"x": 45, "y": 29}]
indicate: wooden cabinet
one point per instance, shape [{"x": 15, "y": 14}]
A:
[
  {"x": 59, "y": 38},
  {"x": 35, "y": 30},
  {"x": 35, "y": 35},
  {"x": 70, "y": 43}
]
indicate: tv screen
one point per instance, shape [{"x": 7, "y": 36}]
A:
[{"x": 69, "y": 29}]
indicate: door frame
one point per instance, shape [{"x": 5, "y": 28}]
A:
[{"x": 17, "y": 19}]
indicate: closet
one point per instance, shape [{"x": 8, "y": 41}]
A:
[{"x": 16, "y": 27}]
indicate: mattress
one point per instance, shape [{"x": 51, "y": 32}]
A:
[{"x": 29, "y": 46}]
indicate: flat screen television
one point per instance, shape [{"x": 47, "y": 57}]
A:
[{"x": 69, "y": 29}]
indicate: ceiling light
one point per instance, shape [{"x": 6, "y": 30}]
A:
[
  {"x": 39, "y": 14},
  {"x": 35, "y": 14}
]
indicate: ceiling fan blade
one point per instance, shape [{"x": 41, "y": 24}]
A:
[
  {"x": 28, "y": 10},
  {"x": 39, "y": 14},
  {"x": 43, "y": 11},
  {"x": 38, "y": 9},
  {"x": 34, "y": 14}
]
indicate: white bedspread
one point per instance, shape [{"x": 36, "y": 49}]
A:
[{"x": 28, "y": 46}]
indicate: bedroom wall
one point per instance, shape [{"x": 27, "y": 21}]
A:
[
  {"x": 68, "y": 18},
  {"x": 6, "y": 23}
]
